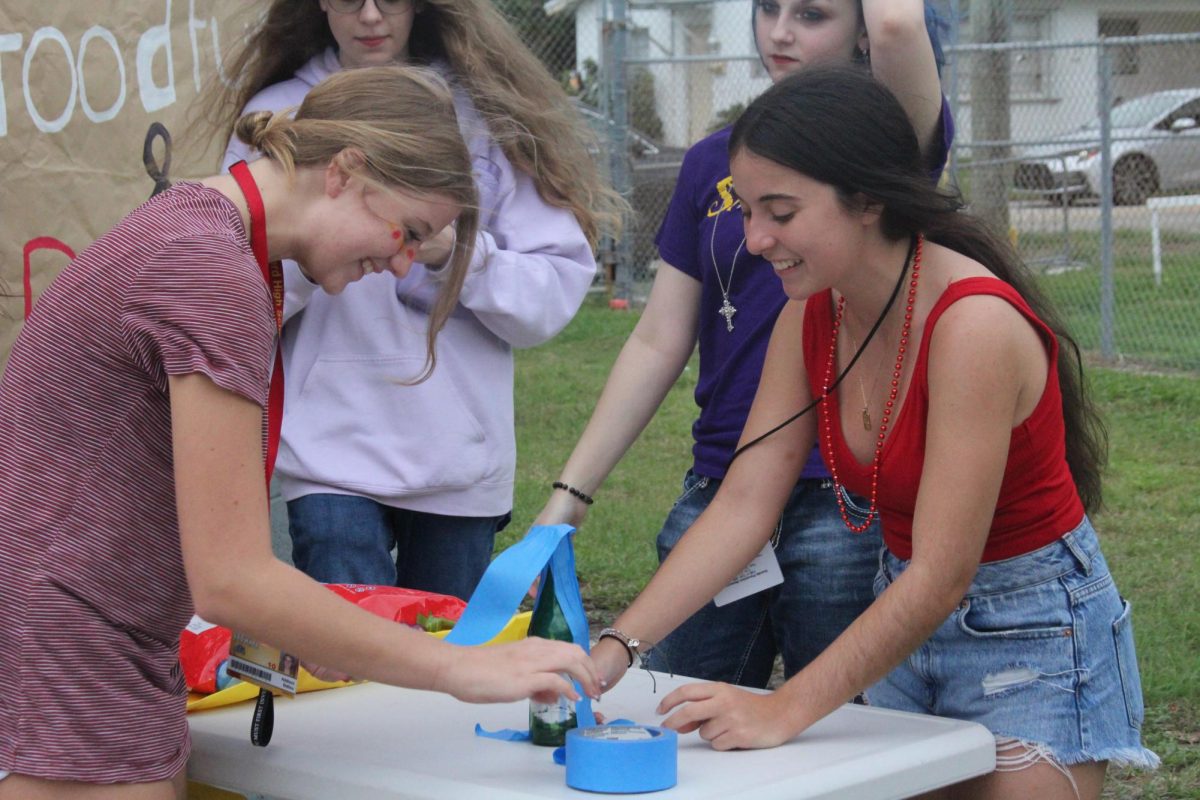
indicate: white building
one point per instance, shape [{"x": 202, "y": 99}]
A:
[
  {"x": 1052, "y": 90},
  {"x": 1056, "y": 90},
  {"x": 688, "y": 94}
]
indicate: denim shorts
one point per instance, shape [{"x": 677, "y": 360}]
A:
[
  {"x": 1040, "y": 650},
  {"x": 827, "y": 575}
]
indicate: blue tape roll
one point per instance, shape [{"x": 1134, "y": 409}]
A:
[{"x": 622, "y": 759}]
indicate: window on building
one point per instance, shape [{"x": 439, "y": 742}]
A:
[{"x": 1124, "y": 57}]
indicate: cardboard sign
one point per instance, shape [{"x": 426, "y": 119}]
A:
[{"x": 81, "y": 84}]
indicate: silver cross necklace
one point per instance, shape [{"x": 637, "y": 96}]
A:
[{"x": 726, "y": 310}]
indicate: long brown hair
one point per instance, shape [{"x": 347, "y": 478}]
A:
[
  {"x": 401, "y": 122},
  {"x": 840, "y": 126},
  {"x": 527, "y": 112}
]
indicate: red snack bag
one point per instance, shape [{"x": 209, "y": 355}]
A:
[
  {"x": 203, "y": 646},
  {"x": 399, "y": 604}
]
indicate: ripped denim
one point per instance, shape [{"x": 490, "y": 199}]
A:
[{"x": 1039, "y": 650}]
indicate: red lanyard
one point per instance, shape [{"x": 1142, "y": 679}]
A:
[{"x": 273, "y": 274}]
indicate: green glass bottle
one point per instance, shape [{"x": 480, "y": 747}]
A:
[{"x": 549, "y": 722}]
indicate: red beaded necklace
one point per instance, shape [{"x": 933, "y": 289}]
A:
[{"x": 873, "y": 509}]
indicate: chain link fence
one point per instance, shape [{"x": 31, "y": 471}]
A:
[
  {"x": 1078, "y": 137},
  {"x": 1086, "y": 151}
]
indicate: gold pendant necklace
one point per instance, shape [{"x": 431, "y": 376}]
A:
[{"x": 866, "y": 412}]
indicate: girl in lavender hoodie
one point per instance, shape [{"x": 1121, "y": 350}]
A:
[{"x": 369, "y": 460}]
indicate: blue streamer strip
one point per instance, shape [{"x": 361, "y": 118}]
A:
[
  {"x": 505, "y": 583},
  {"x": 504, "y": 734},
  {"x": 503, "y": 587}
]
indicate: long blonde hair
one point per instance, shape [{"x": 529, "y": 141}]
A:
[
  {"x": 401, "y": 121},
  {"x": 527, "y": 112}
]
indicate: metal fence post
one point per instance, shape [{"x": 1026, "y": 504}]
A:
[
  {"x": 990, "y": 114},
  {"x": 1107, "y": 289},
  {"x": 619, "y": 154},
  {"x": 952, "y": 83}
]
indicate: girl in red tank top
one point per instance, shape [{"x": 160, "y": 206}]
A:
[{"x": 940, "y": 386}]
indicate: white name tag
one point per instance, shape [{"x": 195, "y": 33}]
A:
[{"x": 761, "y": 573}]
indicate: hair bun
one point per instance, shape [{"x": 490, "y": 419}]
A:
[{"x": 252, "y": 128}]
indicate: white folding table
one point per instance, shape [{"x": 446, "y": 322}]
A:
[{"x": 375, "y": 741}]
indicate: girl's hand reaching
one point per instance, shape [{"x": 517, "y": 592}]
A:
[
  {"x": 728, "y": 717},
  {"x": 531, "y": 668}
]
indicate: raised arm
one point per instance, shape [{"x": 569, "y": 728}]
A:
[
  {"x": 236, "y": 581},
  {"x": 533, "y": 268},
  {"x": 902, "y": 59},
  {"x": 648, "y": 365},
  {"x": 741, "y": 517},
  {"x": 979, "y": 387}
]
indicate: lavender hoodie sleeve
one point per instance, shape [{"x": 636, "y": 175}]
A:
[{"x": 532, "y": 265}]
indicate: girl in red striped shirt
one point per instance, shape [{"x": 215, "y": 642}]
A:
[{"x": 131, "y": 416}]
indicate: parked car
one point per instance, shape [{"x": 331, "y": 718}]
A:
[{"x": 1155, "y": 148}]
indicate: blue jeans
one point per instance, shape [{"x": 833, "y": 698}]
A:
[
  {"x": 340, "y": 538},
  {"x": 827, "y": 582},
  {"x": 1040, "y": 650}
]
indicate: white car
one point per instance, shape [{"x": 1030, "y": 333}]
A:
[{"x": 1155, "y": 148}]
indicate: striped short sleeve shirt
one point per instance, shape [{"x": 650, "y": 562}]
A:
[{"x": 93, "y": 594}]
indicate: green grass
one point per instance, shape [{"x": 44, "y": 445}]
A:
[
  {"x": 1155, "y": 326},
  {"x": 1150, "y": 527},
  {"x": 1151, "y": 534},
  {"x": 556, "y": 388}
]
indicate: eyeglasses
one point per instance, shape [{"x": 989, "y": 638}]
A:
[
  {"x": 389, "y": 7},
  {"x": 402, "y": 238},
  {"x": 397, "y": 235}
]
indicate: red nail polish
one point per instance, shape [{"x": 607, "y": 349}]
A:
[
  {"x": 395, "y": 234},
  {"x": 410, "y": 253}
]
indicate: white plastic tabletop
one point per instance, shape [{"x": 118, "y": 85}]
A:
[{"x": 375, "y": 741}]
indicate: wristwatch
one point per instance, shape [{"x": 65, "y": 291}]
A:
[{"x": 631, "y": 645}]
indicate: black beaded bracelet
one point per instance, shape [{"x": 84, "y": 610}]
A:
[{"x": 585, "y": 498}]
